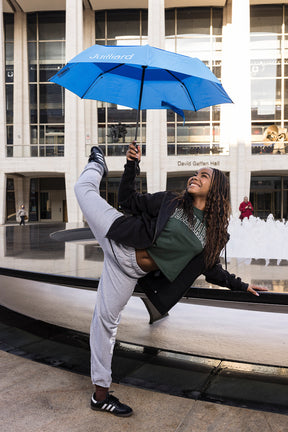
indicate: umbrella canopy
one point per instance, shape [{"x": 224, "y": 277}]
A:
[{"x": 142, "y": 77}]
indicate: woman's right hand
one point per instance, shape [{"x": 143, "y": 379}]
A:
[{"x": 133, "y": 152}]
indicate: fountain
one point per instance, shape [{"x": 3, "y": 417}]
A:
[{"x": 257, "y": 238}]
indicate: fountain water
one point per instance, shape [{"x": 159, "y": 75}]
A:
[{"x": 257, "y": 238}]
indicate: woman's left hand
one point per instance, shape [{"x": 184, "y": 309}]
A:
[
  {"x": 254, "y": 288},
  {"x": 133, "y": 152}
]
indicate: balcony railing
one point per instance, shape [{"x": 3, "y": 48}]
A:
[{"x": 274, "y": 148}]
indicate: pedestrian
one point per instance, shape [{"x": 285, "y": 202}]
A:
[
  {"x": 245, "y": 208},
  {"x": 22, "y": 214},
  {"x": 165, "y": 240}
]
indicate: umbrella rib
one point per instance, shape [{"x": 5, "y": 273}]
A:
[
  {"x": 182, "y": 83},
  {"x": 99, "y": 76}
]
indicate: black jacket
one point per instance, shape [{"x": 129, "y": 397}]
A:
[{"x": 147, "y": 216}]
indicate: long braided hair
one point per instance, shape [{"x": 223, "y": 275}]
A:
[{"x": 216, "y": 215}]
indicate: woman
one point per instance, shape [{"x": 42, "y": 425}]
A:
[
  {"x": 22, "y": 215},
  {"x": 187, "y": 230},
  {"x": 245, "y": 208}
]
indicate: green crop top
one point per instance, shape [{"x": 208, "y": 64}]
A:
[{"x": 179, "y": 242}]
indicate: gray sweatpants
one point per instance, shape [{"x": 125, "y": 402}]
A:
[{"x": 118, "y": 279}]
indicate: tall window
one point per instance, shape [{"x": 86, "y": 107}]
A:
[
  {"x": 269, "y": 195},
  {"x": 269, "y": 82},
  {"x": 46, "y": 55},
  {"x": 196, "y": 32},
  {"x": 10, "y": 200},
  {"x": 116, "y": 124},
  {"x": 110, "y": 185},
  {"x": 9, "y": 79}
]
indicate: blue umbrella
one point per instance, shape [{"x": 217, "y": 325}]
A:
[{"x": 142, "y": 77}]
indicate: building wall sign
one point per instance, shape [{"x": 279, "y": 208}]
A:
[{"x": 198, "y": 163}]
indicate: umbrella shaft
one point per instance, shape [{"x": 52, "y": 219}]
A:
[{"x": 140, "y": 99}]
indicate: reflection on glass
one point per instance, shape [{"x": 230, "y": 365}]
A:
[
  {"x": 266, "y": 19},
  {"x": 51, "y": 25},
  {"x": 265, "y": 68},
  {"x": 120, "y": 114},
  {"x": 193, "y": 133},
  {"x": 120, "y": 126},
  {"x": 9, "y": 130},
  {"x": 217, "y": 20},
  {"x": 51, "y": 103},
  {"x": 198, "y": 47},
  {"x": 46, "y": 71},
  {"x": 9, "y": 74},
  {"x": 9, "y": 103},
  {"x": 171, "y": 133},
  {"x": 266, "y": 192},
  {"x": 54, "y": 51},
  {"x": 100, "y": 25},
  {"x": 101, "y": 134},
  {"x": 216, "y": 110},
  {"x": 117, "y": 150},
  {"x": 193, "y": 21},
  {"x": 265, "y": 47},
  {"x": 285, "y": 203},
  {"x": 9, "y": 27},
  {"x": 176, "y": 184},
  {"x": 198, "y": 116},
  {"x": 31, "y": 26},
  {"x": 33, "y": 103},
  {"x": 34, "y": 134},
  {"x": 9, "y": 52},
  {"x": 266, "y": 99},
  {"x": 123, "y": 23}
]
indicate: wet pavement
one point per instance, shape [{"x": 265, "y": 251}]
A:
[
  {"x": 31, "y": 248},
  {"x": 45, "y": 386}
]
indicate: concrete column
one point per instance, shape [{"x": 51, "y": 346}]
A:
[
  {"x": 19, "y": 192},
  {"x": 91, "y": 112},
  {"x": 156, "y": 132},
  {"x": 2, "y": 120},
  {"x": 74, "y": 111},
  {"x": 21, "y": 133},
  {"x": 236, "y": 119}
]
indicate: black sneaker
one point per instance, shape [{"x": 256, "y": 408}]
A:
[
  {"x": 112, "y": 405},
  {"x": 97, "y": 155}
]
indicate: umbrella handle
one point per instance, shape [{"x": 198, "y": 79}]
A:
[{"x": 137, "y": 162}]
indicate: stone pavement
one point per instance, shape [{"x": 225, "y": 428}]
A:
[{"x": 39, "y": 398}]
